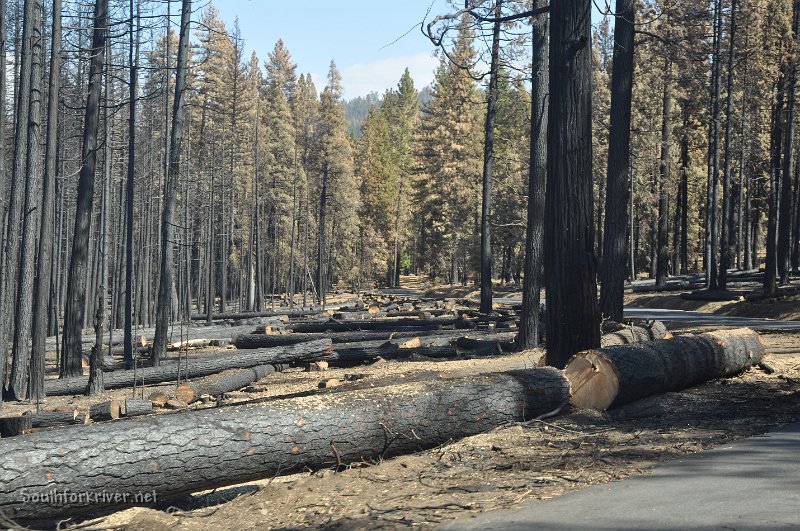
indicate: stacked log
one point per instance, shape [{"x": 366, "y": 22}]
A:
[
  {"x": 609, "y": 377},
  {"x": 199, "y": 367},
  {"x": 212, "y": 448}
]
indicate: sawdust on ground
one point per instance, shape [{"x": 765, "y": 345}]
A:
[{"x": 495, "y": 470}]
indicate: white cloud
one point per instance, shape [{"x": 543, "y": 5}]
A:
[{"x": 377, "y": 76}]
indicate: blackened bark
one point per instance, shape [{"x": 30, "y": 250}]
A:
[
  {"x": 76, "y": 283},
  {"x": 612, "y": 271},
  {"x": 10, "y": 257},
  {"x": 42, "y": 290},
  {"x": 727, "y": 211},
  {"x": 573, "y": 316},
  {"x": 776, "y": 139},
  {"x": 166, "y": 280},
  {"x": 20, "y": 366},
  {"x": 785, "y": 197},
  {"x": 133, "y": 59},
  {"x": 488, "y": 161},
  {"x": 323, "y": 208},
  {"x": 662, "y": 237},
  {"x": 712, "y": 200},
  {"x": 528, "y": 337}
]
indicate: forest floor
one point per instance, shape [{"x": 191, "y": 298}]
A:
[{"x": 496, "y": 470}]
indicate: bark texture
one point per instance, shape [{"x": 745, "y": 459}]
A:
[
  {"x": 534, "y": 235},
  {"x": 217, "y": 447},
  {"x": 613, "y": 376},
  {"x": 573, "y": 315},
  {"x": 612, "y": 270}
]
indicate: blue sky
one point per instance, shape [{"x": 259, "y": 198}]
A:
[
  {"x": 357, "y": 34},
  {"x": 354, "y": 33}
]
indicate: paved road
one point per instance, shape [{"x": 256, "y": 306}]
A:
[
  {"x": 687, "y": 318},
  {"x": 750, "y": 484}
]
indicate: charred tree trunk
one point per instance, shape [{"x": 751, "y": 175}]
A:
[
  {"x": 727, "y": 211},
  {"x": 534, "y": 236},
  {"x": 712, "y": 200},
  {"x": 76, "y": 283},
  {"x": 10, "y": 257},
  {"x": 785, "y": 198},
  {"x": 488, "y": 161},
  {"x": 133, "y": 58},
  {"x": 20, "y": 367},
  {"x": 776, "y": 140},
  {"x": 42, "y": 290},
  {"x": 166, "y": 281},
  {"x": 573, "y": 316},
  {"x": 238, "y": 444},
  {"x": 618, "y": 188},
  {"x": 662, "y": 238}
]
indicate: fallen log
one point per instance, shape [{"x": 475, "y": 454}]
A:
[
  {"x": 219, "y": 385},
  {"x": 626, "y": 334},
  {"x": 609, "y": 377},
  {"x": 265, "y": 340},
  {"x": 134, "y": 408},
  {"x": 237, "y": 316},
  {"x": 109, "y": 410},
  {"x": 396, "y": 324},
  {"x": 197, "y": 367},
  {"x": 211, "y": 448}
]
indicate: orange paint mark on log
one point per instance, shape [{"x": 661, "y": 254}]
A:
[
  {"x": 154, "y": 467},
  {"x": 247, "y": 435},
  {"x": 300, "y": 422},
  {"x": 49, "y": 476},
  {"x": 295, "y": 449},
  {"x": 251, "y": 451}
]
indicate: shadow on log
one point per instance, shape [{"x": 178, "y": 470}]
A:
[
  {"x": 212, "y": 448},
  {"x": 609, "y": 377}
]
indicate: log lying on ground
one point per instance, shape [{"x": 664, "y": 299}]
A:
[
  {"x": 626, "y": 334},
  {"x": 226, "y": 383},
  {"x": 267, "y": 340},
  {"x": 197, "y": 367},
  {"x": 212, "y": 448},
  {"x": 13, "y": 426},
  {"x": 393, "y": 324},
  {"x": 237, "y": 316},
  {"x": 609, "y": 377}
]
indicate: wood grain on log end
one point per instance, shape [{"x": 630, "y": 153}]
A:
[{"x": 593, "y": 381}]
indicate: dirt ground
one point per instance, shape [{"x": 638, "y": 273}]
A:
[{"x": 496, "y": 470}]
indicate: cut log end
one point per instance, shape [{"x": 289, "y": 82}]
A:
[{"x": 593, "y": 381}]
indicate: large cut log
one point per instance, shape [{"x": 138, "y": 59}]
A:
[
  {"x": 225, "y": 383},
  {"x": 197, "y": 367},
  {"x": 609, "y": 377},
  {"x": 211, "y": 448}
]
